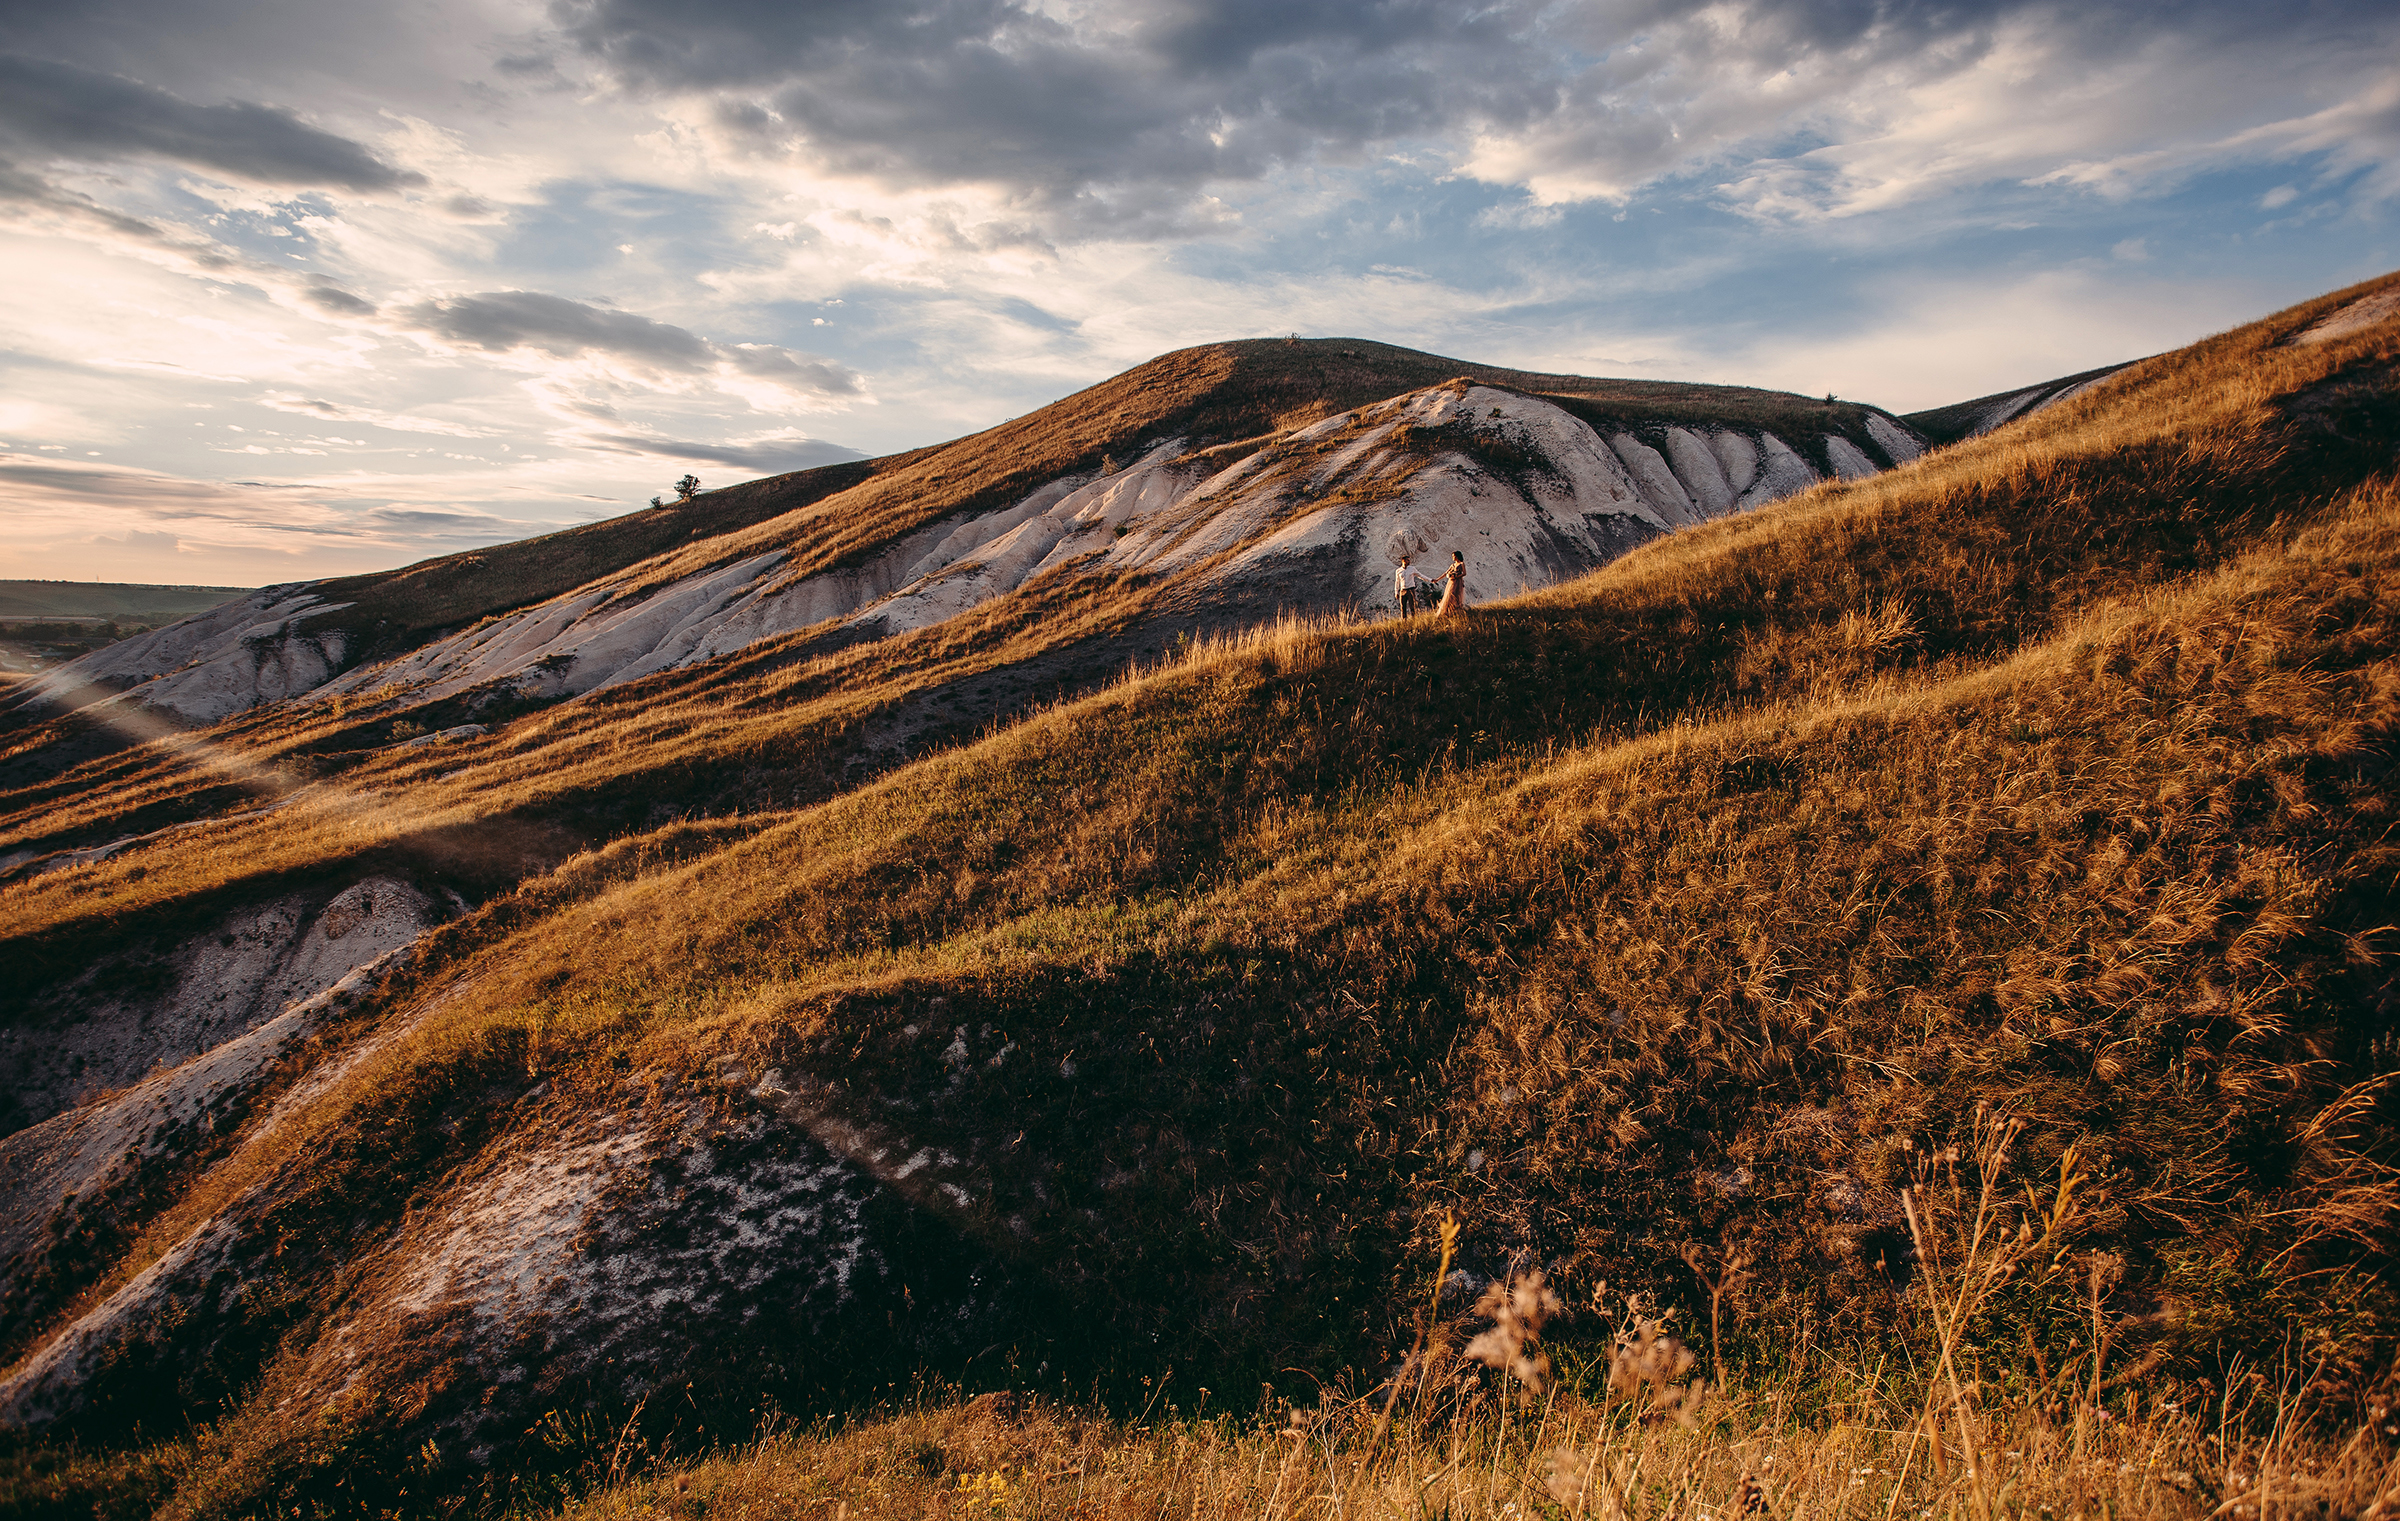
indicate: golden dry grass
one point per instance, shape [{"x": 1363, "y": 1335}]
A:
[
  {"x": 1755, "y": 1456},
  {"x": 1652, "y": 923}
]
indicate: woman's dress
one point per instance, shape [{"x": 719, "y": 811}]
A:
[{"x": 1454, "y": 591}]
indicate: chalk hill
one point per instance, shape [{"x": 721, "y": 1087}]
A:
[
  {"x": 1235, "y": 480},
  {"x": 1024, "y": 946}
]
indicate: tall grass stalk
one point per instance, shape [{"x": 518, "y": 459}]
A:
[{"x": 1755, "y": 1456}]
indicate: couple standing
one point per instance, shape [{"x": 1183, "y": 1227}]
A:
[{"x": 1412, "y": 584}]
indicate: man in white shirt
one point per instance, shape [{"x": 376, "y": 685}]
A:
[{"x": 1407, "y": 586}]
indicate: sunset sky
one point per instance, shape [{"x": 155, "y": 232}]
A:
[{"x": 296, "y": 289}]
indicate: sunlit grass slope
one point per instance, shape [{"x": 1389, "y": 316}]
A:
[{"x": 1683, "y": 903}]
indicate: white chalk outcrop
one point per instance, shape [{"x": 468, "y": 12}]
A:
[
  {"x": 256, "y": 649},
  {"x": 2352, "y": 317},
  {"x": 1313, "y": 519},
  {"x": 54, "y": 1173},
  {"x": 609, "y": 1251},
  {"x": 95, "y": 1034}
]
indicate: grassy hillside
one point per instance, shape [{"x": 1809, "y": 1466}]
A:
[
  {"x": 1697, "y": 901},
  {"x": 395, "y": 608}
]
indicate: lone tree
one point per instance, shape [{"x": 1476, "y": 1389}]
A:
[{"x": 687, "y": 488}]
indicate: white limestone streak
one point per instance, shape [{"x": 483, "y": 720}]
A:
[
  {"x": 100, "y": 1031},
  {"x": 1701, "y": 472},
  {"x": 1781, "y": 473},
  {"x": 1849, "y": 461},
  {"x": 76, "y": 1152},
  {"x": 2352, "y": 317},
  {"x": 1897, "y": 443},
  {"x": 51, "y": 1383},
  {"x": 1738, "y": 453},
  {"x": 1657, "y": 482},
  {"x": 1515, "y": 532}
]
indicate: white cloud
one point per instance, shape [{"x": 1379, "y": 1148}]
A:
[{"x": 307, "y": 406}]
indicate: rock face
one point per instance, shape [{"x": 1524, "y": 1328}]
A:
[
  {"x": 59, "y": 1180},
  {"x": 1310, "y": 520},
  {"x": 611, "y": 1252},
  {"x": 134, "y": 1014},
  {"x": 258, "y": 649},
  {"x": 592, "y": 1256}
]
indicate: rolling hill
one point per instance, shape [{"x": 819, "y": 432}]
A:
[
  {"x": 964, "y": 916},
  {"x": 1248, "y": 477}
]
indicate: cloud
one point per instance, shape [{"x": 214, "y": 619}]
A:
[
  {"x": 56, "y": 110},
  {"x": 1110, "y": 126},
  {"x": 61, "y": 207},
  {"x": 330, "y": 411},
  {"x": 1118, "y": 120},
  {"x": 66, "y": 480},
  {"x": 782, "y": 367},
  {"x": 436, "y": 525},
  {"x": 141, "y": 539},
  {"x": 531, "y": 322},
  {"x": 772, "y": 455},
  {"x": 334, "y": 300},
  {"x": 498, "y": 321},
  {"x": 63, "y": 511}
]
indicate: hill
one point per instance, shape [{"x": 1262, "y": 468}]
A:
[
  {"x": 1971, "y": 419},
  {"x": 786, "y": 1021},
  {"x": 559, "y": 615}
]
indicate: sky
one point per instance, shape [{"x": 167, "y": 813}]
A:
[{"x": 297, "y": 289}]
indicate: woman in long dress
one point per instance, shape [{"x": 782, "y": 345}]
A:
[{"x": 1454, "y": 586}]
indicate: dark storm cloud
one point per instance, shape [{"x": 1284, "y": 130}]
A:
[
  {"x": 1127, "y": 118},
  {"x": 56, "y": 110},
  {"x": 939, "y": 91}
]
